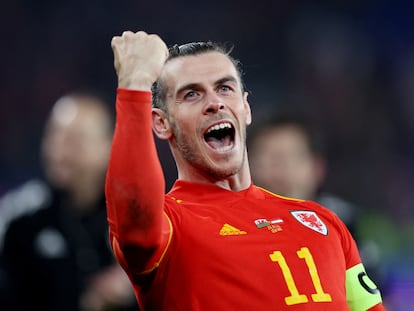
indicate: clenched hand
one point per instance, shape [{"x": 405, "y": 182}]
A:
[{"x": 138, "y": 59}]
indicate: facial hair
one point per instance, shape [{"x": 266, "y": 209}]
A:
[{"x": 190, "y": 151}]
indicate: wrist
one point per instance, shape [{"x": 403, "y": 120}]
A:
[{"x": 139, "y": 83}]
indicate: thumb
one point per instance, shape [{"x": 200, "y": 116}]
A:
[{"x": 115, "y": 45}]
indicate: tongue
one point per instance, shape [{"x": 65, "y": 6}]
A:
[{"x": 216, "y": 143}]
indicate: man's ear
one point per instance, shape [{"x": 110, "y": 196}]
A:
[
  {"x": 160, "y": 124},
  {"x": 247, "y": 109}
]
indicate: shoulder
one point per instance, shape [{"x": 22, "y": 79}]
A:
[
  {"x": 18, "y": 205},
  {"x": 27, "y": 198},
  {"x": 303, "y": 207},
  {"x": 294, "y": 202}
]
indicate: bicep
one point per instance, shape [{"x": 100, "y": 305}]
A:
[{"x": 361, "y": 292}]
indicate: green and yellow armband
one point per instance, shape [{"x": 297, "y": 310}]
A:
[{"x": 361, "y": 291}]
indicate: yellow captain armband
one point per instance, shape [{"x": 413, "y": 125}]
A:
[{"x": 361, "y": 292}]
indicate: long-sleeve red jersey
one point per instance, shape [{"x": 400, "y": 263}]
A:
[{"x": 202, "y": 247}]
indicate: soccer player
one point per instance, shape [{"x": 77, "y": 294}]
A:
[{"x": 215, "y": 241}]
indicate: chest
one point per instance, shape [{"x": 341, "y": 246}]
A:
[
  {"x": 285, "y": 256},
  {"x": 252, "y": 228}
]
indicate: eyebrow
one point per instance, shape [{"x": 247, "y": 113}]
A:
[{"x": 191, "y": 86}]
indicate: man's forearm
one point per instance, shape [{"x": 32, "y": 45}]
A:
[{"x": 135, "y": 184}]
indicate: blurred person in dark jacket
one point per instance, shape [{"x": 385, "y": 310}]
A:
[{"x": 53, "y": 233}]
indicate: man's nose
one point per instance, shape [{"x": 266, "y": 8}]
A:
[{"x": 213, "y": 103}]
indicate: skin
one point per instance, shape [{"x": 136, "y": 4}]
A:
[
  {"x": 203, "y": 90},
  {"x": 75, "y": 149}
]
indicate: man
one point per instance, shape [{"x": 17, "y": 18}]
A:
[
  {"x": 215, "y": 241},
  {"x": 55, "y": 248}
]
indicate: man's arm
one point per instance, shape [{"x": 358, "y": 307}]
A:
[
  {"x": 378, "y": 307},
  {"x": 135, "y": 184},
  {"x": 362, "y": 294}
]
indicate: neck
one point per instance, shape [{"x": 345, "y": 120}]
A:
[
  {"x": 85, "y": 198},
  {"x": 238, "y": 181}
]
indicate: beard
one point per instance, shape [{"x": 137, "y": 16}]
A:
[{"x": 191, "y": 152}]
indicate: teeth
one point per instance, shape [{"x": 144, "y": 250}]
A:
[
  {"x": 224, "y": 149},
  {"x": 219, "y": 127}
]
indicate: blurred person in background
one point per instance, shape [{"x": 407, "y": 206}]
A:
[
  {"x": 53, "y": 233},
  {"x": 287, "y": 157}
]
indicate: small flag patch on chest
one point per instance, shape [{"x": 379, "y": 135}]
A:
[
  {"x": 311, "y": 220},
  {"x": 230, "y": 230},
  {"x": 271, "y": 225}
]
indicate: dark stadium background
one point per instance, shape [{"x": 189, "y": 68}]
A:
[{"x": 347, "y": 64}]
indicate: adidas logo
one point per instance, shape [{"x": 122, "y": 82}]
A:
[{"x": 230, "y": 230}]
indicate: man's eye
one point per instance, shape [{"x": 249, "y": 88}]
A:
[
  {"x": 224, "y": 88},
  {"x": 190, "y": 94}
]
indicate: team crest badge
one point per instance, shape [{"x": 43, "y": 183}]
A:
[{"x": 311, "y": 220}]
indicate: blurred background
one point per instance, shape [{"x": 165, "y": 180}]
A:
[{"x": 349, "y": 65}]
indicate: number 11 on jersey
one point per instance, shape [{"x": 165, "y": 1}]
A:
[{"x": 295, "y": 297}]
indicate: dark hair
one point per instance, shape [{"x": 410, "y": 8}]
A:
[
  {"x": 159, "y": 90},
  {"x": 310, "y": 131}
]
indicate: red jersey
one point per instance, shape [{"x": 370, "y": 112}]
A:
[{"x": 202, "y": 247}]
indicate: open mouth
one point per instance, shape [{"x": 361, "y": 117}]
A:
[{"x": 220, "y": 137}]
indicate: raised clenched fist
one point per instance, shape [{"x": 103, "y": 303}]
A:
[{"x": 138, "y": 58}]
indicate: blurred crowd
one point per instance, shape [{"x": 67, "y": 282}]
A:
[{"x": 346, "y": 65}]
